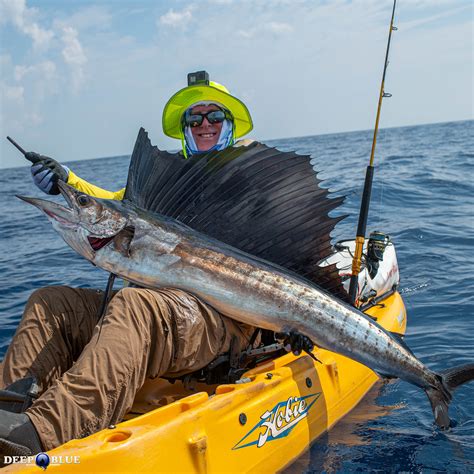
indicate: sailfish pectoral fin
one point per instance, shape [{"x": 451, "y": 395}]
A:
[{"x": 123, "y": 240}]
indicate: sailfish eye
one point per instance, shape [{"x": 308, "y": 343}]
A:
[{"x": 83, "y": 200}]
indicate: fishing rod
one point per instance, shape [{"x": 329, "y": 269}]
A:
[
  {"x": 369, "y": 176},
  {"x": 31, "y": 157},
  {"x": 15, "y": 144}
]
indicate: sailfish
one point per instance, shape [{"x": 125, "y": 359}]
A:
[{"x": 243, "y": 229}]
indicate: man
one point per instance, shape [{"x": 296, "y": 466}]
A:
[{"x": 87, "y": 382}]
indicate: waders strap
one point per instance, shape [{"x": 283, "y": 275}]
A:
[
  {"x": 253, "y": 338},
  {"x": 105, "y": 302},
  {"x": 106, "y": 298}
]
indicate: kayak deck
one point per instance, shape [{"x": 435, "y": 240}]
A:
[{"x": 259, "y": 425}]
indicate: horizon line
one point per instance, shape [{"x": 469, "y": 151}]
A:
[{"x": 275, "y": 139}]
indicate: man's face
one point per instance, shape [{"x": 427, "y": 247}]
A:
[{"x": 207, "y": 134}]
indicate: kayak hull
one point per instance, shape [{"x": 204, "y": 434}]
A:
[{"x": 260, "y": 425}]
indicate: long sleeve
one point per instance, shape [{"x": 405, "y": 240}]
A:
[{"x": 94, "y": 191}]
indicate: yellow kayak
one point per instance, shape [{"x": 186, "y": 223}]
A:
[{"x": 261, "y": 424}]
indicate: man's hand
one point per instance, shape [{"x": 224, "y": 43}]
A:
[{"x": 46, "y": 172}]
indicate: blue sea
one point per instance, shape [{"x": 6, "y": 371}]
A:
[{"x": 423, "y": 197}]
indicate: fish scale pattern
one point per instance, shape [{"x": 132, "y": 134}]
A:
[{"x": 258, "y": 199}]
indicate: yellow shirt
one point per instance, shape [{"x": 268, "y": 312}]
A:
[{"x": 92, "y": 190}]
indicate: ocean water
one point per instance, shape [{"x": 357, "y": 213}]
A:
[{"x": 423, "y": 198}]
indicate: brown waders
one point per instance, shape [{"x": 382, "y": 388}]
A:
[{"x": 89, "y": 382}]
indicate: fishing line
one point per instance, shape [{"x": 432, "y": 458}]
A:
[{"x": 382, "y": 186}]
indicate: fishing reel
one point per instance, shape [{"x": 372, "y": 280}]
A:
[{"x": 376, "y": 246}]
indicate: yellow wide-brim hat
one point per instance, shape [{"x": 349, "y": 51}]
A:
[{"x": 215, "y": 93}]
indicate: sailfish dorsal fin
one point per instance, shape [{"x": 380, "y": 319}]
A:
[{"x": 263, "y": 201}]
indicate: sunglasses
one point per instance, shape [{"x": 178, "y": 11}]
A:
[{"x": 214, "y": 116}]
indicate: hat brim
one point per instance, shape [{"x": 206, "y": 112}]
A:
[{"x": 183, "y": 99}]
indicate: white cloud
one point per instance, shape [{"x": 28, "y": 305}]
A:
[
  {"x": 432, "y": 18},
  {"x": 429, "y": 3},
  {"x": 23, "y": 96},
  {"x": 247, "y": 34},
  {"x": 45, "y": 70},
  {"x": 89, "y": 18},
  {"x": 33, "y": 118},
  {"x": 22, "y": 17},
  {"x": 176, "y": 19},
  {"x": 279, "y": 28},
  {"x": 272, "y": 27},
  {"x": 72, "y": 51},
  {"x": 13, "y": 93},
  {"x": 73, "y": 54},
  {"x": 39, "y": 81},
  {"x": 5, "y": 61}
]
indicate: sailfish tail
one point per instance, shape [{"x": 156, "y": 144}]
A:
[{"x": 440, "y": 396}]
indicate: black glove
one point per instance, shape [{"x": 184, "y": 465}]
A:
[
  {"x": 295, "y": 342},
  {"x": 46, "y": 172}
]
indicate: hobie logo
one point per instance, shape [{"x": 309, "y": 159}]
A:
[{"x": 279, "y": 421}]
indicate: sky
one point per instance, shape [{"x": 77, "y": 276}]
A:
[{"x": 78, "y": 78}]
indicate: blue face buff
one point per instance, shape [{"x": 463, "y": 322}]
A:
[{"x": 226, "y": 138}]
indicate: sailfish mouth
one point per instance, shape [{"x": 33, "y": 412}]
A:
[
  {"x": 70, "y": 218},
  {"x": 97, "y": 243},
  {"x": 66, "y": 217},
  {"x": 122, "y": 241}
]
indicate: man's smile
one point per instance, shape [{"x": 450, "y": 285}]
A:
[{"x": 207, "y": 134}]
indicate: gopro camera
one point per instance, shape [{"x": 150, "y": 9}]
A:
[{"x": 198, "y": 78}]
